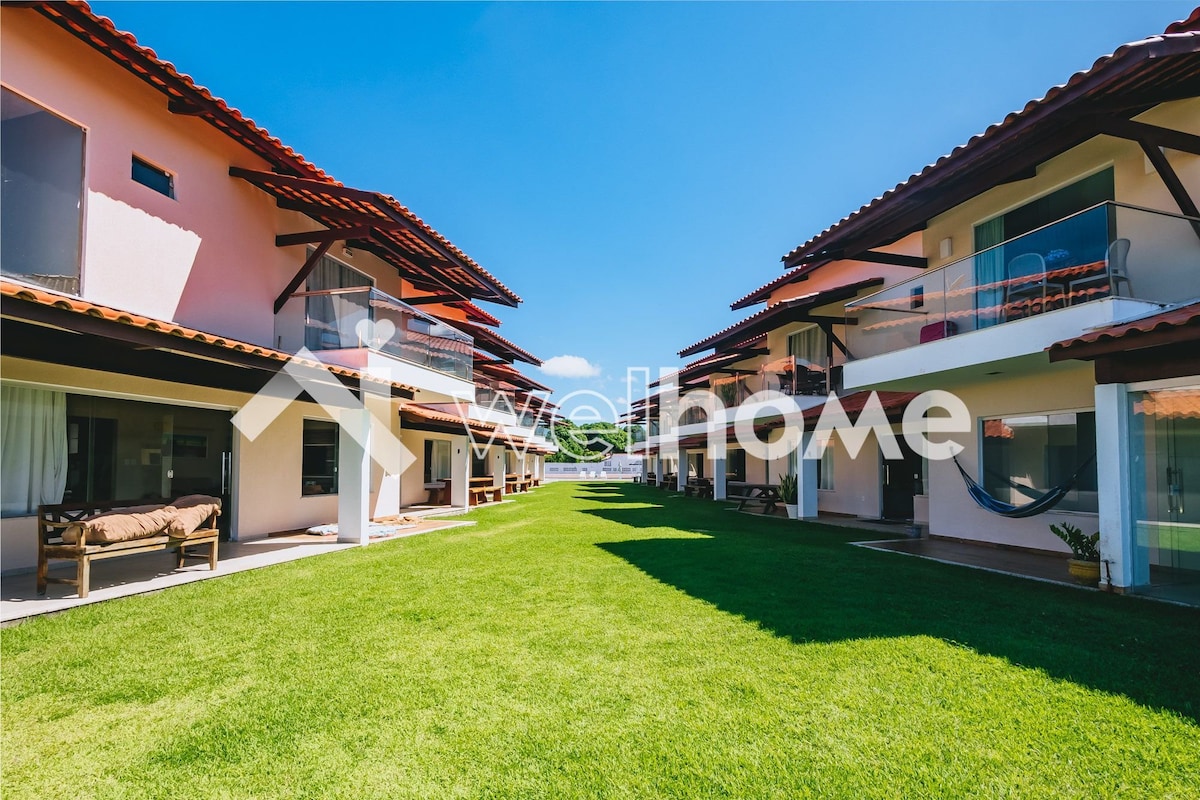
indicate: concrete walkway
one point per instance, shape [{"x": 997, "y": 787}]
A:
[{"x": 153, "y": 572}]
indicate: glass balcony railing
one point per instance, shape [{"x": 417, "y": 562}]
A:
[
  {"x": 1108, "y": 250},
  {"x": 342, "y": 319}
]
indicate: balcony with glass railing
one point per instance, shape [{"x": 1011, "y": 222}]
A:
[
  {"x": 1110, "y": 250},
  {"x": 347, "y": 319}
]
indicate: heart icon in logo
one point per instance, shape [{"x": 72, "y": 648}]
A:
[{"x": 374, "y": 334}]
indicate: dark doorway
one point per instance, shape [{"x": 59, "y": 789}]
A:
[{"x": 901, "y": 482}]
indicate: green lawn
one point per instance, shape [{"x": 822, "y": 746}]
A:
[{"x": 601, "y": 640}]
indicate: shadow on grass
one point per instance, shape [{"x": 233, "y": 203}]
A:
[{"x": 805, "y": 582}]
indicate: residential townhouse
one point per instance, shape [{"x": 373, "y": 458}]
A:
[
  {"x": 1045, "y": 273},
  {"x": 165, "y": 259}
]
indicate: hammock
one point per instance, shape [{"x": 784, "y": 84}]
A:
[{"x": 1041, "y": 505}]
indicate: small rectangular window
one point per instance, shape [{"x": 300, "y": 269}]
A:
[
  {"x": 157, "y": 179},
  {"x": 319, "y": 460}
]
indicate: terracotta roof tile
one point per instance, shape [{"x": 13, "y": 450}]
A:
[
  {"x": 76, "y": 305},
  {"x": 1184, "y": 316}
]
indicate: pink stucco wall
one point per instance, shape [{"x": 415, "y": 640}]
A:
[{"x": 207, "y": 258}]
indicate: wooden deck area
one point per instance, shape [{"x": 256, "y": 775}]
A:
[{"x": 1041, "y": 565}]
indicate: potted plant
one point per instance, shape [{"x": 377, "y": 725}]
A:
[
  {"x": 789, "y": 490},
  {"x": 1085, "y": 552}
]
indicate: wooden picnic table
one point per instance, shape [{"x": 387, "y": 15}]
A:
[
  {"x": 765, "y": 493},
  {"x": 702, "y": 487},
  {"x": 439, "y": 492}
]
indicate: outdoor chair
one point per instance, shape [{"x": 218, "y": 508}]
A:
[
  {"x": 1026, "y": 281},
  {"x": 1115, "y": 271}
]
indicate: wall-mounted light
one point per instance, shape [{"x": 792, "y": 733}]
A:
[
  {"x": 347, "y": 252},
  {"x": 946, "y": 247}
]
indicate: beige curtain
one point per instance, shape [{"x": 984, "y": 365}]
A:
[{"x": 33, "y": 448}]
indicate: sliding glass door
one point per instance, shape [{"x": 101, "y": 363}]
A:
[{"x": 1165, "y": 470}]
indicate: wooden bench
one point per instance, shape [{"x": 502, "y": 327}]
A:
[
  {"x": 668, "y": 481},
  {"x": 701, "y": 487},
  {"x": 759, "y": 493},
  {"x": 481, "y": 490},
  {"x": 53, "y": 521},
  {"x": 515, "y": 482},
  {"x": 651, "y": 479}
]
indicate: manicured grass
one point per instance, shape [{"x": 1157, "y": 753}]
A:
[{"x": 602, "y": 640}]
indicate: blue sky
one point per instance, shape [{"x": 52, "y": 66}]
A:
[{"x": 630, "y": 169}]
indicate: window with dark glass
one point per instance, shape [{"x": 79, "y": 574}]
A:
[
  {"x": 41, "y": 158},
  {"x": 1026, "y": 456},
  {"x": 153, "y": 177},
  {"x": 735, "y": 465},
  {"x": 320, "y": 458}
]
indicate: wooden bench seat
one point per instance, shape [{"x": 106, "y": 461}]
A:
[
  {"x": 53, "y": 521},
  {"x": 480, "y": 490}
]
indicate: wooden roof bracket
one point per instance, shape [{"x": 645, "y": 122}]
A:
[
  {"x": 1152, "y": 139},
  {"x": 303, "y": 274},
  {"x": 833, "y": 339}
]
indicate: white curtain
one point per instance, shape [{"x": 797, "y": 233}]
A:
[{"x": 33, "y": 448}]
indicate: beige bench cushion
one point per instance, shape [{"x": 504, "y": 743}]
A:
[
  {"x": 120, "y": 525},
  {"x": 188, "y": 518}
]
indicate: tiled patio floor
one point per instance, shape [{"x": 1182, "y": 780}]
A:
[
  {"x": 1040, "y": 566},
  {"x": 152, "y": 572}
]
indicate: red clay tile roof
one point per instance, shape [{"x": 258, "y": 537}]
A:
[
  {"x": 712, "y": 363},
  {"x": 751, "y": 325},
  {"x": 475, "y": 313},
  {"x": 433, "y": 415},
  {"x": 764, "y": 292},
  {"x": 1192, "y": 23},
  {"x": 77, "y": 18},
  {"x": 1128, "y": 333},
  {"x": 331, "y": 203},
  {"x": 75, "y": 305},
  {"x": 1181, "y": 39},
  {"x": 494, "y": 343}
]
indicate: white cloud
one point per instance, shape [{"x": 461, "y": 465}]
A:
[{"x": 570, "y": 367}]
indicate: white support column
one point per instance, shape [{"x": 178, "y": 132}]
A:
[
  {"x": 681, "y": 472},
  {"x": 499, "y": 466},
  {"x": 806, "y": 481},
  {"x": 645, "y": 468},
  {"x": 460, "y": 471},
  {"x": 354, "y": 476},
  {"x": 718, "y": 479},
  {"x": 1115, "y": 496}
]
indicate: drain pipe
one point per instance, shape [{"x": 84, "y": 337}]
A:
[{"x": 1108, "y": 587}]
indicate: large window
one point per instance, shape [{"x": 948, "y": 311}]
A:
[
  {"x": 808, "y": 346},
  {"x": 41, "y": 158},
  {"x": 437, "y": 460},
  {"x": 72, "y": 448},
  {"x": 320, "y": 457},
  {"x": 1024, "y": 456}
]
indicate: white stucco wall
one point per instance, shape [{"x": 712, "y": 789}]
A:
[{"x": 951, "y": 510}]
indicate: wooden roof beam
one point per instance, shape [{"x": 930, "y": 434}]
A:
[
  {"x": 894, "y": 259},
  {"x": 1152, "y": 134},
  {"x": 329, "y": 235}
]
